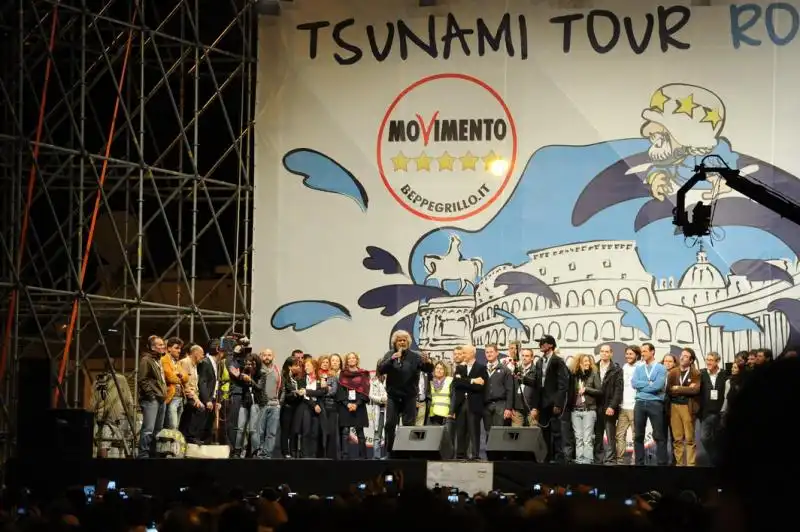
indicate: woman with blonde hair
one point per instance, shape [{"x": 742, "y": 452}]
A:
[
  {"x": 353, "y": 398},
  {"x": 336, "y": 364},
  {"x": 441, "y": 395},
  {"x": 584, "y": 393},
  {"x": 309, "y": 417}
]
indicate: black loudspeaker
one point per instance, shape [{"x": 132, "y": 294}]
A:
[
  {"x": 34, "y": 395},
  {"x": 71, "y": 434},
  {"x": 428, "y": 443},
  {"x": 516, "y": 443}
]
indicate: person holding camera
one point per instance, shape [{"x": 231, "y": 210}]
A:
[
  {"x": 239, "y": 396},
  {"x": 402, "y": 367}
]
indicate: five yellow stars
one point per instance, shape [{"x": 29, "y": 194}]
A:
[
  {"x": 469, "y": 161},
  {"x": 445, "y": 162}
]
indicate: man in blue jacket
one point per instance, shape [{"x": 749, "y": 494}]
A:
[{"x": 649, "y": 380}]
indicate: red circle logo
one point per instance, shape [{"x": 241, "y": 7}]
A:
[{"x": 447, "y": 147}]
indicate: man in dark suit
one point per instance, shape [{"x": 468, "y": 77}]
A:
[
  {"x": 550, "y": 382},
  {"x": 402, "y": 368},
  {"x": 712, "y": 397},
  {"x": 199, "y": 417},
  {"x": 469, "y": 383},
  {"x": 499, "y": 399},
  {"x": 523, "y": 395},
  {"x": 607, "y": 408}
]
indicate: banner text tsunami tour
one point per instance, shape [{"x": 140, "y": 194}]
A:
[
  {"x": 449, "y": 207},
  {"x": 449, "y": 130}
]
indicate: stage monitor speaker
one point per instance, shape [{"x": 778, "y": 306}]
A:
[
  {"x": 71, "y": 434},
  {"x": 428, "y": 443},
  {"x": 34, "y": 395},
  {"x": 516, "y": 443}
]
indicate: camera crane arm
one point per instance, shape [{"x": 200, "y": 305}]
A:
[{"x": 764, "y": 196}]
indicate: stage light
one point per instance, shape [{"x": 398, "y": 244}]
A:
[{"x": 498, "y": 167}]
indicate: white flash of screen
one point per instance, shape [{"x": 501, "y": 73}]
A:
[{"x": 499, "y": 167}]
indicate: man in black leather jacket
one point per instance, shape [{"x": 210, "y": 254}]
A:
[{"x": 402, "y": 367}]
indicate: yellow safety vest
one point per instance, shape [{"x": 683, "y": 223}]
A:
[
  {"x": 225, "y": 382},
  {"x": 440, "y": 400}
]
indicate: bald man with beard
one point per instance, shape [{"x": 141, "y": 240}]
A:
[
  {"x": 194, "y": 413},
  {"x": 266, "y": 408}
]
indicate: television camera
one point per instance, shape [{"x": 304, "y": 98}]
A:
[
  {"x": 236, "y": 346},
  {"x": 702, "y": 215}
]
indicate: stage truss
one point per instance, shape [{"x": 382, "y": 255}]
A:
[{"x": 125, "y": 182}]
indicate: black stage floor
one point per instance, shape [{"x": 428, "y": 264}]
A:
[{"x": 326, "y": 477}]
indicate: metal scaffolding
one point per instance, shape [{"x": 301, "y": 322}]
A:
[{"x": 125, "y": 182}]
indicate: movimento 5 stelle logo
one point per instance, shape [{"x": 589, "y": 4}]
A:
[{"x": 447, "y": 147}]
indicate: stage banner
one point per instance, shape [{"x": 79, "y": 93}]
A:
[{"x": 492, "y": 172}]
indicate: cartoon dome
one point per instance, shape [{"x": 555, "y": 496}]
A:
[{"x": 702, "y": 274}]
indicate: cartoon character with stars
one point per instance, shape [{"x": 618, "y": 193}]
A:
[{"x": 683, "y": 124}]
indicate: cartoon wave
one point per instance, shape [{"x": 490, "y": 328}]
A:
[
  {"x": 791, "y": 309},
  {"x": 303, "y": 315},
  {"x": 395, "y": 297},
  {"x": 516, "y": 229},
  {"x": 733, "y": 322},
  {"x": 378, "y": 259},
  {"x": 324, "y": 174},
  {"x": 632, "y": 316}
]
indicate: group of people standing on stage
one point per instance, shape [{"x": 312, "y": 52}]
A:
[
  {"x": 323, "y": 400},
  {"x": 246, "y": 400},
  {"x": 585, "y": 407},
  {"x": 310, "y": 406}
]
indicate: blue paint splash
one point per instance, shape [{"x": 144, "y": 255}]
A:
[
  {"x": 322, "y": 173},
  {"x": 791, "y": 309},
  {"x": 395, "y": 297},
  {"x": 380, "y": 259},
  {"x": 756, "y": 270},
  {"x": 303, "y": 315},
  {"x": 525, "y": 283},
  {"x": 511, "y": 321},
  {"x": 632, "y": 316},
  {"x": 733, "y": 322}
]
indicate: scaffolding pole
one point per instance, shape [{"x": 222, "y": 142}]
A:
[{"x": 125, "y": 183}]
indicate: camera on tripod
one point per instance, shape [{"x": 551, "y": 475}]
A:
[{"x": 236, "y": 346}]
